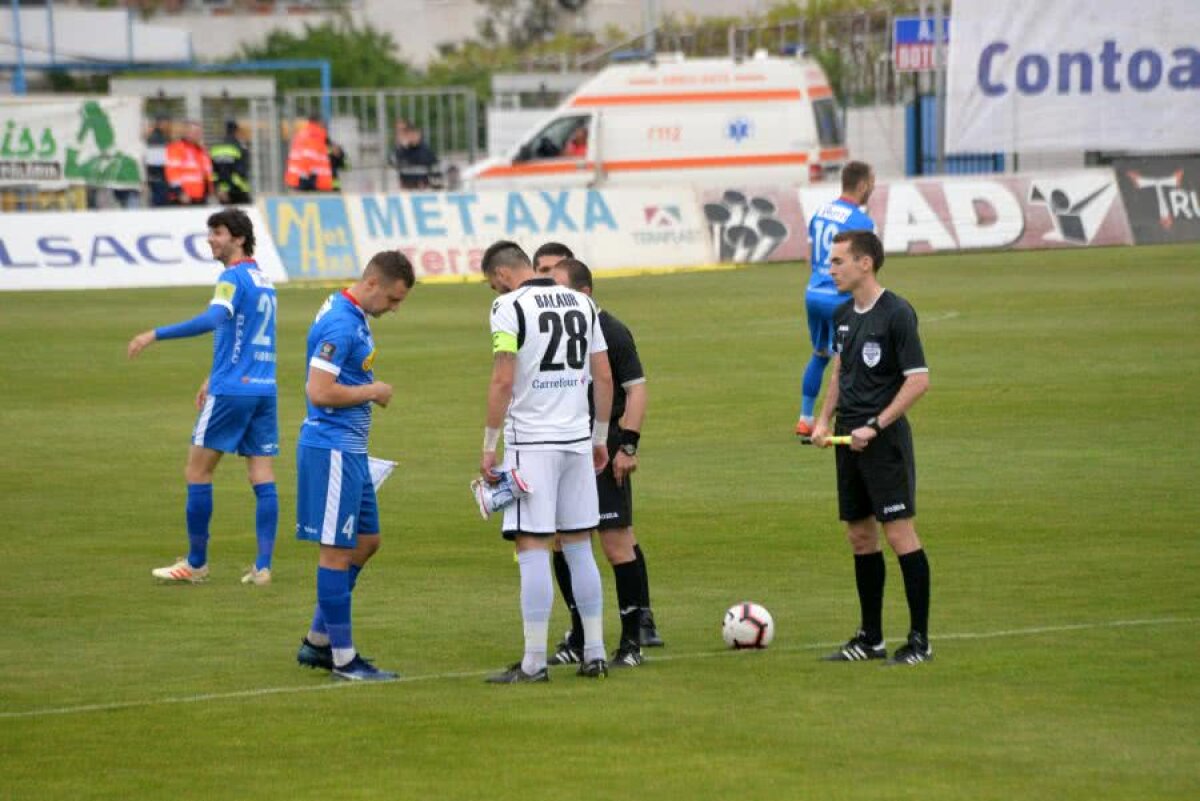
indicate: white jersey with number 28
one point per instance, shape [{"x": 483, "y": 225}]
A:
[{"x": 556, "y": 330}]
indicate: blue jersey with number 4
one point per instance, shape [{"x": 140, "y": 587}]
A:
[
  {"x": 340, "y": 343},
  {"x": 244, "y": 343},
  {"x": 829, "y": 221}
]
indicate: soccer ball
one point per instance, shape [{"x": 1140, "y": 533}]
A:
[{"x": 748, "y": 625}]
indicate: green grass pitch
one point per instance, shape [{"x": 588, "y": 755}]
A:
[{"x": 1057, "y": 455}]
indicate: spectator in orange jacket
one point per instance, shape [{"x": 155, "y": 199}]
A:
[
  {"x": 308, "y": 166},
  {"x": 188, "y": 169}
]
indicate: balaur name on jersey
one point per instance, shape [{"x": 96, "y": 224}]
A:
[{"x": 555, "y": 330}]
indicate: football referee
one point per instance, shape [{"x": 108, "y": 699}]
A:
[{"x": 881, "y": 372}]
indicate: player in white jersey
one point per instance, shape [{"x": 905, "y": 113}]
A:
[{"x": 547, "y": 347}]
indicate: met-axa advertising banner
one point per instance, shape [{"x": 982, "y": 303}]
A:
[
  {"x": 108, "y": 249},
  {"x": 53, "y": 142},
  {"x": 444, "y": 235},
  {"x": 1034, "y": 75}
]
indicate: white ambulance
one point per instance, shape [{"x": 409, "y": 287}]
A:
[{"x": 682, "y": 121}]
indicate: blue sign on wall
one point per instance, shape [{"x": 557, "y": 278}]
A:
[
  {"x": 313, "y": 236},
  {"x": 913, "y": 42}
]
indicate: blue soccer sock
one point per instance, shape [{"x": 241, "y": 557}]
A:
[
  {"x": 317, "y": 633},
  {"x": 266, "y": 521},
  {"x": 811, "y": 387},
  {"x": 199, "y": 512},
  {"x": 333, "y": 596}
]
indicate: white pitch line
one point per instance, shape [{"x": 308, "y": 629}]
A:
[{"x": 343, "y": 685}]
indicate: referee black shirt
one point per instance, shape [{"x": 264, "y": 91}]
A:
[
  {"x": 878, "y": 348},
  {"x": 625, "y": 364}
]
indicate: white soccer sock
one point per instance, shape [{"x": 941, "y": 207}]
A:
[
  {"x": 537, "y": 596},
  {"x": 318, "y": 638},
  {"x": 589, "y": 597}
]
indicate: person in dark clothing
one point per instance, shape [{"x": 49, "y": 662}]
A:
[
  {"x": 231, "y": 167},
  {"x": 415, "y": 162},
  {"x": 879, "y": 372},
  {"x": 156, "y": 162},
  {"x": 337, "y": 163}
]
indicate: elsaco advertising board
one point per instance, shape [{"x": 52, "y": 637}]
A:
[{"x": 109, "y": 249}]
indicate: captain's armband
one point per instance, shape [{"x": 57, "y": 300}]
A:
[{"x": 503, "y": 342}]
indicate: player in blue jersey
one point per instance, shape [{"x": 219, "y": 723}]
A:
[
  {"x": 822, "y": 296},
  {"x": 236, "y": 401},
  {"x": 335, "y": 504}
]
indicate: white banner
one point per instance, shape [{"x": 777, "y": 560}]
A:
[
  {"x": 446, "y": 234},
  {"x": 1074, "y": 75},
  {"x": 108, "y": 249},
  {"x": 52, "y": 142},
  {"x": 1076, "y": 208}
]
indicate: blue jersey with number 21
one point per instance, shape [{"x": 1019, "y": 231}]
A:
[
  {"x": 830, "y": 220},
  {"x": 244, "y": 344}
]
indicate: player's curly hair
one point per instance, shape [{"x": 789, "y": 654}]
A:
[{"x": 237, "y": 222}]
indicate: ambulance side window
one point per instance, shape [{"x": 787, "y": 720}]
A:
[
  {"x": 829, "y": 122},
  {"x": 564, "y": 137}
]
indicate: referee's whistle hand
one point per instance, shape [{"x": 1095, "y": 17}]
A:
[
  {"x": 861, "y": 437},
  {"x": 623, "y": 465}
]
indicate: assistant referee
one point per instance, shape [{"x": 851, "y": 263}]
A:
[{"x": 881, "y": 372}]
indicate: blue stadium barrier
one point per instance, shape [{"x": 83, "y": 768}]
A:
[{"x": 920, "y": 153}]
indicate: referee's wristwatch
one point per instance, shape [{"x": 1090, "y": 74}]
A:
[
  {"x": 629, "y": 442},
  {"x": 873, "y": 424},
  {"x": 629, "y": 449}
]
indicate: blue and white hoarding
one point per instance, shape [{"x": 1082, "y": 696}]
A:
[{"x": 1074, "y": 75}]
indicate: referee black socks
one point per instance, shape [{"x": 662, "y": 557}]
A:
[
  {"x": 869, "y": 574},
  {"x": 915, "y": 567},
  {"x": 629, "y": 590}
]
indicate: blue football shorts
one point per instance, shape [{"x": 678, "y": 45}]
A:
[
  {"x": 820, "y": 307},
  {"x": 335, "y": 499},
  {"x": 247, "y": 425}
]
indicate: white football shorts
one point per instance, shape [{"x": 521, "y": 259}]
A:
[{"x": 562, "y": 493}]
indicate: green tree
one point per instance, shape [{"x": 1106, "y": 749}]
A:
[{"x": 360, "y": 57}]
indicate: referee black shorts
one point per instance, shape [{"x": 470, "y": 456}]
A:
[
  {"x": 880, "y": 481},
  {"x": 616, "y": 503}
]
